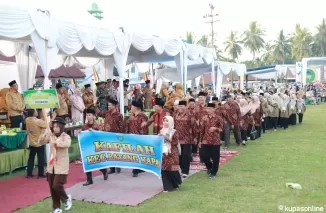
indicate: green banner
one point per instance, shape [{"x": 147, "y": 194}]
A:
[{"x": 40, "y": 99}]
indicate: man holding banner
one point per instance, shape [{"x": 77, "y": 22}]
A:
[
  {"x": 113, "y": 122},
  {"x": 91, "y": 125},
  {"x": 135, "y": 125}
]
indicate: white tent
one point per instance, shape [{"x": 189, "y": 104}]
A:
[
  {"x": 51, "y": 36},
  {"x": 199, "y": 67},
  {"x": 272, "y": 72}
]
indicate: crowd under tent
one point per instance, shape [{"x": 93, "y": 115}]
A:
[
  {"x": 272, "y": 72},
  {"x": 50, "y": 36},
  {"x": 197, "y": 68}
]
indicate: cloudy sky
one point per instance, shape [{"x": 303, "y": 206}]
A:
[{"x": 173, "y": 18}]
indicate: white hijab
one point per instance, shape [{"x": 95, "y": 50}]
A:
[
  {"x": 255, "y": 104},
  {"x": 168, "y": 131},
  {"x": 244, "y": 106}
]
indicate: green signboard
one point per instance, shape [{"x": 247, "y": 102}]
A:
[
  {"x": 40, "y": 99},
  {"x": 311, "y": 76}
]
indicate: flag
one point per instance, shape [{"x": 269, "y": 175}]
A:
[
  {"x": 72, "y": 81},
  {"x": 202, "y": 81},
  {"x": 145, "y": 76},
  {"x": 96, "y": 78}
]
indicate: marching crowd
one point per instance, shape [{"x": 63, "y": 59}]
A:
[{"x": 188, "y": 125}]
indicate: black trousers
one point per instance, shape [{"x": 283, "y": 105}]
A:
[
  {"x": 244, "y": 135},
  {"x": 300, "y": 115},
  {"x": 284, "y": 123},
  {"x": 137, "y": 171},
  {"x": 16, "y": 121},
  {"x": 274, "y": 122},
  {"x": 211, "y": 157},
  {"x": 293, "y": 119},
  {"x": 185, "y": 158},
  {"x": 40, "y": 152},
  {"x": 263, "y": 126},
  {"x": 258, "y": 128},
  {"x": 89, "y": 174},
  {"x": 268, "y": 123}
]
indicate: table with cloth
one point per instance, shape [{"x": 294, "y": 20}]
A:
[
  {"x": 13, "y": 154},
  {"x": 12, "y": 140}
]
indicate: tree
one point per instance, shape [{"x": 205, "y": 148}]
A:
[
  {"x": 190, "y": 37},
  {"x": 281, "y": 47},
  {"x": 253, "y": 38},
  {"x": 203, "y": 41},
  {"x": 301, "y": 42},
  {"x": 233, "y": 46},
  {"x": 319, "y": 41},
  {"x": 267, "y": 56}
]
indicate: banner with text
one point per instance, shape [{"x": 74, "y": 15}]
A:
[
  {"x": 105, "y": 149},
  {"x": 40, "y": 99}
]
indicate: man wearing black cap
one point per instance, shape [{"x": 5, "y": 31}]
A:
[
  {"x": 88, "y": 98},
  {"x": 157, "y": 117},
  {"x": 135, "y": 125},
  {"x": 184, "y": 125},
  {"x": 210, "y": 126},
  {"x": 15, "y": 104},
  {"x": 92, "y": 125},
  {"x": 113, "y": 122},
  {"x": 148, "y": 95},
  {"x": 233, "y": 114},
  {"x": 64, "y": 102},
  {"x": 200, "y": 106},
  {"x": 102, "y": 94}
]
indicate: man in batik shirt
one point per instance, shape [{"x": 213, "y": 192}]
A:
[
  {"x": 200, "y": 112},
  {"x": 184, "y": 125},
  {"x": 210, "y": 127},
  {"x": 233, "y": 114},
  {"x": 136, "y": 124},
  {"x": 92, "y": 125},
  {"x": 113, "y": 122},
  {"x": 157, "y": 117}
]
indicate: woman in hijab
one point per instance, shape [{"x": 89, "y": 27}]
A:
[
  {"x": 285, "y": 111},
  {"x": 170, "y": 166},
  {"x": 244, "y": 120},
  {"x": 293, "y": 110},
  {"x": 257, "y": 114},
  {"x": 275, "y": 106},
  {"x": 301, "y": 107},
  {"x": 77, "y": 106},
  {"x": 58, "y": 165}
]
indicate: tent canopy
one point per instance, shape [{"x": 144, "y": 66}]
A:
[
  {"x": 271, "y": 72},
  {"x": 62, "y": 72}
]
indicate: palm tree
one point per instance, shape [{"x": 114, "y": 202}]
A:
[
  {"x": 190, "y": 37},
  {"x": 319, "y": 43},
  {"x": 203, "y": 41},
  {"x": 301, "y": 42},
  {"x": 233, "y": 46},
  {"x": 253, "y": 38},
  {"x": 267, "y": 56},
  {"x": 281, "y": 47}
]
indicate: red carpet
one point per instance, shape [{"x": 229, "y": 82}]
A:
[
  {"x": 19, "y": 192},
  {"x": 224, "y": 158}
]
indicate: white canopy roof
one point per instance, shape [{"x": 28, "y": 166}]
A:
[
  {"x": 51, "y": 35},
  {"x": 273, "y": 71}
]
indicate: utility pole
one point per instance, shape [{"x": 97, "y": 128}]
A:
[{"x": 211, "y": 21}]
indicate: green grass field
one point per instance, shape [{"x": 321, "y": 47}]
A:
[{"x": 252, "y": 182}]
